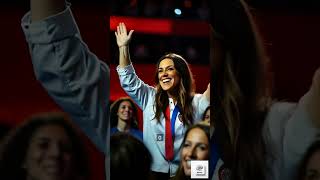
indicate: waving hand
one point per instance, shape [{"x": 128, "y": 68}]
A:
[{"x": 123, "y": 38}]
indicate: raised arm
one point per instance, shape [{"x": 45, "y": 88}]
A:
[
  {"x": 41, "y": 9},
  {"x": 140, "y": 92},
  {"x": 301, "y": 129},
  {"x": 123, "y": 40},
  {"x": 71, "y": 74}
]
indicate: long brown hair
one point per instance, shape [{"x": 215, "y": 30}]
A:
[
  {"x": 185, "y": 89},
  {"x": 114, "y": 110},
  {"x": 241, "y": 97}
]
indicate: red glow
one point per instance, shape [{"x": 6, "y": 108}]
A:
[
  {"x": 162, "y": 26},
  {"x": 144, "y": 25},
  {"x": 187, "y": 4}
]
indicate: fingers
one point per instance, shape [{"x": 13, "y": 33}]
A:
[
  {"x": 118, "y": 30},
  {"x": 121, "y": 34},
  {"x": 121, "y": 29},
  {"x": 130, "y": 33}
]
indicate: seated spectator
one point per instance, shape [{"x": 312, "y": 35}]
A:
[
  {"x": 123, "y": 117},
  {"x": 44, "y": 147}
]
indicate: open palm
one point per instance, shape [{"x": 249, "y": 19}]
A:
[{"x": 122, "y": 37}]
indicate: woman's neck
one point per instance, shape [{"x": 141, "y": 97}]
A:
[
  {"x": 123, "y": 126},
  {"x": 173, "y": 97}
]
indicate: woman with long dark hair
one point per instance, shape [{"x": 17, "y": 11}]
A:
[
  {"x": 254, "y": 137},
  {"x": 168, "y": 108},
  {"x": 123, "y": 117}
]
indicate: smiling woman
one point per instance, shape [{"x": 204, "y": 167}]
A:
[
  {"x": 44, "y": 147},
  {"x": 169, "y": 108},
  {"x": 195, "y": 146},
  {"x": 174, "y": 80},
  {"x": 123, "y": 117},
  {"x": 168, "y": 76}
]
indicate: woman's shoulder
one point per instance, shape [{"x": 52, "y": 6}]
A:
[
  {"x": 197, "y": 97},
  {"x": 281, "y": 107},
  {"x": 113, "y": 130},
  {"x": 136, "y": 133},
  {"x": 279, "y": 112}
]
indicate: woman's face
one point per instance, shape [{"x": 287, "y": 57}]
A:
[
  {"x": 168, "y": 75},
  {"x": 49, "y": 155},
  {"x": 125, "y": 111},
  {"x": 195, "y": 147},
  {"x": 313, "y": 167}
]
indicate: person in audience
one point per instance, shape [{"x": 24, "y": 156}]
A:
[
  {"x": 173, "y": 97},
  {"x": 45, "y": 146},
  {"x": 123, "y": 117},
  {"x": 130, "y": 158},
  {"x": 255, "y": 137},
  {"x": 206, "y": 115},
  {"x": 195, "y": 146},
  {"x": 75, "y": 78}
]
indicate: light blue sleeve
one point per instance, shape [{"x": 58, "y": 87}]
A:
[
  {"x": 200, "y": 103},
  {"x": 290, "y": 132},
  {"x": 140, "y": 92},
  {"x": 300, "y": 133},
  {"x": 72, "y": 75}
]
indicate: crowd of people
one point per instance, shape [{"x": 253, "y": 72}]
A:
[{"x": 244, "y": 133}]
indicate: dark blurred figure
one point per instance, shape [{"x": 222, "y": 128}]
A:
[
  {"x": 44, "y": 147},
  {"x": 310, "y": 164},
  {"x": 255, "y": 137},
  {"x": 129, "y": 158},
  {"x": 4, "y": 129},
  {"x": 75, "y": 78}
]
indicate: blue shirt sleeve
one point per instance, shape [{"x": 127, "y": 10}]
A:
[{"x": 72, "y": 75}]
